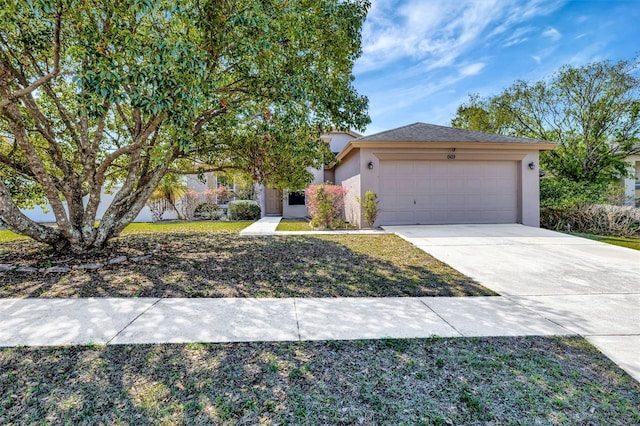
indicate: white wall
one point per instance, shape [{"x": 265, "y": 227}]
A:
[
  {"x": 633, "y": 166},
  {"x": 338, "y": 140},
  {"x": 38, "y": 215}
]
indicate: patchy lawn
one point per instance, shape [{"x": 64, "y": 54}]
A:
[
  {"x": 146, "y": 227},
  {"x": 632, "y": 243},
  {"x": 294, "y": 225},
  {"x": 210, "y": 264},
  {"x": 6, "y": 236},
  {"x": 531, "y": 380}
]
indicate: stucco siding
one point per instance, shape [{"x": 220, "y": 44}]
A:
[
  {"x": 352, "y": 211},
  {"x": 348, "y": 167}
]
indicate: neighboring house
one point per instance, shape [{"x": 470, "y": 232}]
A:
[
  {"x": 45, "y": 214},
  {"x": 428, "y": 174},
  {"x": 632, "y": 184}
]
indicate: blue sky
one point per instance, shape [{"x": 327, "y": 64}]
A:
[{"x": 421, "y": 58}]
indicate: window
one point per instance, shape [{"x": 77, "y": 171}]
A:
[{"x": 296, "y": 198}]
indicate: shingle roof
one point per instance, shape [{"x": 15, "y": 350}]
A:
[{"x": 422, "y": 132}]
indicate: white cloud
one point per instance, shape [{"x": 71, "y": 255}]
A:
[
  {"x": 552, "y": 33},
  {"x": 538, "y": 59},
  {"x": 472, "y": 69},
  {"x": 437, "y": 32}
]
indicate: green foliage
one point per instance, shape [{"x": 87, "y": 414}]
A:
[
  {"x": 562, "y": 192},
  {"x": 370, "y": 205},
  {"x": 26, "y": 193},
  {"x": 208, "y": 211},
  {"x": 591, "y": 112},
  {"x": 97, "y": 94},
  {"x": 325, "y": 204},
  {"x": 243, "y": 210}
]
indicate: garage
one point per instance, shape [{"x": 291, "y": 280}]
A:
[
  {"x": 428, "y": 174},
  {"x": 444, "y": 192}
]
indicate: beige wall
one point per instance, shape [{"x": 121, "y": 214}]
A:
[
  {"x": 352, "y": 213},
  {"x": 528, "y": 184},
  {"x": 530, "y": 190},
  {"x": 347, "y": 174}
]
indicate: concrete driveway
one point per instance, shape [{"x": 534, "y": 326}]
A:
[{"x": 590, "y": 288}]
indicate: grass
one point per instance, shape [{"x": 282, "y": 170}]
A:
[
  {"x": 223, "y": 264},
  {"x": 145, "y": 227},
  {"x": 178, "y": 226},
  {"x": 8, "y": 236},
  {"x": 294, "y": 225},
  {"x": 516, "y": 380},
  {"x": 632, "y": 243}
]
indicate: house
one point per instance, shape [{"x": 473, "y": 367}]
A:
[
  {"x": 428, "y": 174},
  {"x": 631, "y": 184},
  {"x": 422, "y": 174}
]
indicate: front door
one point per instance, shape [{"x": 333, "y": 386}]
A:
[{"x": 274, "y": 202}]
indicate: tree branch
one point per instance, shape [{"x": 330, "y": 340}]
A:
[{"x": 45, "y": 78}]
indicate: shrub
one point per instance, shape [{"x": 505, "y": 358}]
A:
[
  {"x": 243, "y": 210},
  {"x": 208, "y": 211},
  {"x": 597, "y": 219},
  {"x": 370, "y": 205},
  {"x": 325, "y": 204},
  {"x": 559, "y": 192}
]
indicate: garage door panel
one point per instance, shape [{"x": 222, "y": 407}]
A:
[{"x": 440, "y": 192}]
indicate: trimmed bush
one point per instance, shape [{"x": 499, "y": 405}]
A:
[
  {"x": 325, "y": 204},
  {"x": 208, "y": 211},
  {"x": 370, "y": 205},
  {"x": 243, "y": 210},
  {"x": 600, "y": 219}
]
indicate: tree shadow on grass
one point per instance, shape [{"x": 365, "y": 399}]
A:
[
  {"x": 528, "y": 380},
  {"x": 227, "y": 265}
]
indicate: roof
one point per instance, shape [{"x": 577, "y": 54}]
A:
[{"x": 422, "y": 132}]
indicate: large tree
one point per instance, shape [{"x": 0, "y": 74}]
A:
[
  {"x": 98, "y": 93},
  {"x": 592, "y": 112}
]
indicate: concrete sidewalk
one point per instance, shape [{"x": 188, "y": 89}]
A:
[
  {"x": 268, "y": 224},
  {"x": 265, "y": 226},
  {"x": 45, "y": 322}
]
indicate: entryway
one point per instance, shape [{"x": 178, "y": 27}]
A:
[{"x": 273, "y": 202}]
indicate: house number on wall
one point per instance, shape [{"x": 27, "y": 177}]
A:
[{"x": 451, "y": 157}]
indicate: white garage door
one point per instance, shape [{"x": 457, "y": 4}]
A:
[{"x": 441, "y": 192}]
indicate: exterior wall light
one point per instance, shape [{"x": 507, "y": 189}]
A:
[
  {"x": 370, "y": 165},
  {"x": 532, "y": 165}
]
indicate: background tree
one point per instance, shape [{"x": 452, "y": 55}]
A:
[
  {"x": 591, "y": 112},
  {"x": 95, "y": 92}
]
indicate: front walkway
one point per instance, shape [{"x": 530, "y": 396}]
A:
[
  {"x": 44, "y": 322},
  {"x": 268, "y": 224},
  {"x": 265, "y": 226}
]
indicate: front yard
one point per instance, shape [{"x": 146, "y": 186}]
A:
[
  {"x": 504, "y": 380},
  {"x": 224, "y": 264}
]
